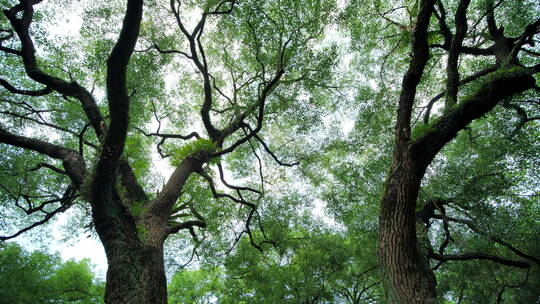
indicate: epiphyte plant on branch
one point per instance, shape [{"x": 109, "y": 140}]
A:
[{"x": 78, "y": 111}]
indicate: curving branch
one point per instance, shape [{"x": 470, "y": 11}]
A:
[
  {"x": 167, "y": 136},
  {"x": 176, "y": 227},
  {"x": 5, "y": 38},
  {"x": 479, "y": 256},
  {"x": 268, "y": 87},
  {"x": 21, "y": 26},
  {"x": 241, "y": 201},
  {"x": 273, "y": 155},
  {"x": 470, "y": 224},
  {"x": 159, "y": 50},
  {"x": 523, "y": 116},
  {"x": 73, "y": 164},
  {"x": 48, "y": 166},
  {"x": 66, "y": 201},
  {"x": 12, "y": 89},
  {"x": 40, "y": 120},
  {"x": 198, "y": 57},
  {"x": 237, "y": 188}
]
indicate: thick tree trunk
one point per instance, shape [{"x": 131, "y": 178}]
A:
[
  {"x": 135, "y": 275},
  {"x": 134, "y": 252},
  {"x": 405, "y": 270}
]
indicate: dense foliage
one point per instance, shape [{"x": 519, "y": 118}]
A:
[
  {"x": 39, "y": 277},
  {"x": 279, "y": 151}
]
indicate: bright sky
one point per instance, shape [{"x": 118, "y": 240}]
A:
[{"x": 82, "y": 247}]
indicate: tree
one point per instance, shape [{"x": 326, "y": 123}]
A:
[
  {"x": 306, "y": 266},
  {"x": 199, "y": 286},
  {"x": 248, "y": 60},
  {"x": 309, "y": 263},
  {"x": 38, "y": 277},
  {"x": 404, "y": 249}
]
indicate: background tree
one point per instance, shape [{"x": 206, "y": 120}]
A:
[
  {"x": 38, "y": 277},
  {"x": 310, "y": 263}
]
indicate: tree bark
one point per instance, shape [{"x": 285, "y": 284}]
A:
[
  {"x": 405, "y": 268},
  {"x": 134, "y": 250},
  {"x": 135, "y": 274}
]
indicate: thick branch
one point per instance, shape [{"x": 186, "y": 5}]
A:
[
  {"x": 475, "y": 51},
  {"x": 420, "y": 56},
  {"x": 117, "y": 95},
  {"x": 479, "y": 256},
  {"x": 72, "y": 162},
  {"x": 32, "y": 69},
  {"x": 464, "y": 81},
  {"x": 505, "y": 84},
  {"x": 453, "y": 54},
  {"x": 162, "y": 205}
]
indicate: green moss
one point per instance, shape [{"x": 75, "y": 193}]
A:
[
  {"x": 136, "y": 209},
  {"x": 421, "y": 129},
  {"x": 142, "y": 232},
  {"x": 505, "y": 71}
]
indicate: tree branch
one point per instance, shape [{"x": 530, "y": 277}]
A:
[
  {"x": 28, "y": 54},
  {"x": 175, "y": 228},
  {"x": 506, "y": 83},
  {"x": 420, "y": 56},
  {"x": 479, "y": 256},
  {"x": 14, "y": 90},
  {"x": 73, "y": 163}
]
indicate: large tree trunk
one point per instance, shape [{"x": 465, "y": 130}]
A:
[
  {"x": 134, "y": 250},
  {"x": 405, "y": 269},
  {"x": 135, "y": 275}
]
